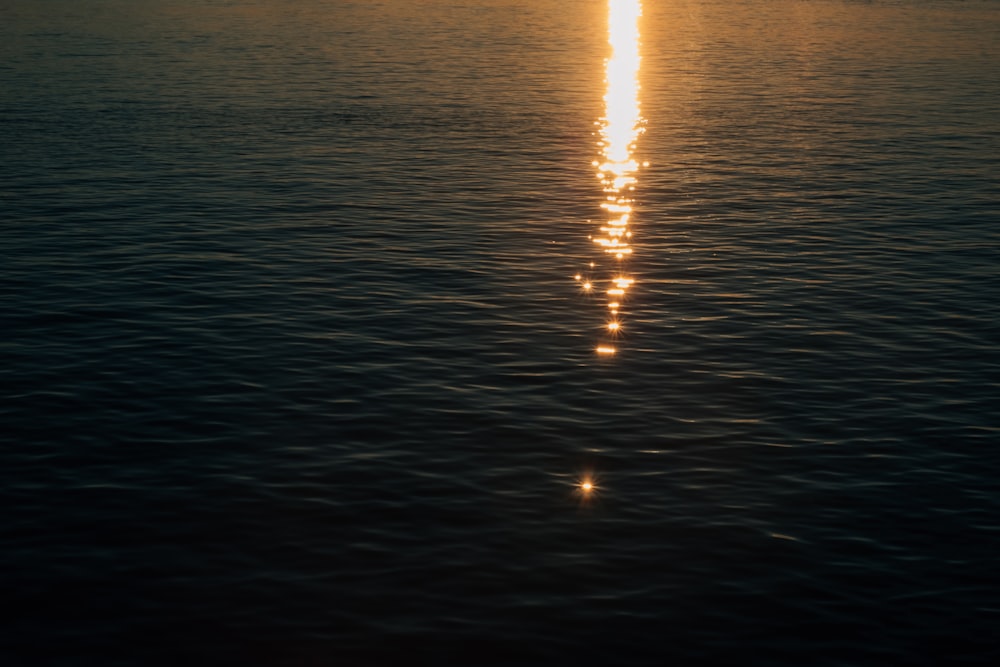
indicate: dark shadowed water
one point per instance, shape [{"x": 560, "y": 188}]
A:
[{"x": 295, "y": 370}]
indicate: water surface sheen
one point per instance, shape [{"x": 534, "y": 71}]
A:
[{"x": 296, "y": 371}]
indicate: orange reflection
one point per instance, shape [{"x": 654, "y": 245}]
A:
[
  {"x": 588, "y": 489},
  {"x": 617, "y": 166}
]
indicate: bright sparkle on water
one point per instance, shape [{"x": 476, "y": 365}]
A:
[
  {"x": 620, "y": 128},
  {"x": 587, "y": 489}
]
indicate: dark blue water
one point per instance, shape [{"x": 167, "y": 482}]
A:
[{"x": 295, "y": 370}]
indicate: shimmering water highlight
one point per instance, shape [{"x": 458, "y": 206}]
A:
[
  {"x": 301, "y": 324},
  {"x": 619, "y": 129}
]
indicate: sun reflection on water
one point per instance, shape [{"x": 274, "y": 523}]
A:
[
  {"x": 587, "y": 490},
  {"x": 617, "y": 167}
]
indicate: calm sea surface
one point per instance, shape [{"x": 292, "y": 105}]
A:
[{"x": 296, "y": 369}]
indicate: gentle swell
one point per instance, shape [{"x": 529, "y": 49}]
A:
[{"x": 295, "y": 370}]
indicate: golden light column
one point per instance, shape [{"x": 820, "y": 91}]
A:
[{"x": 619, "y": 130}]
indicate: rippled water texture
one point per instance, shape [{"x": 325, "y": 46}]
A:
[{"x": 296, "y": 370}]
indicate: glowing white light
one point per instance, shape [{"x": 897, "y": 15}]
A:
[
  {"x": 617, "y": 165},
  {"x": 621, "y": 100}
]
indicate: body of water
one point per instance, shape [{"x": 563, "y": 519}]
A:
[{"x": 302, "y": 311}]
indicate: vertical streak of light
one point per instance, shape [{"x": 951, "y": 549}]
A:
[
  {"x": 621, "y": 123},
  {"x": 620, "y": 129}
]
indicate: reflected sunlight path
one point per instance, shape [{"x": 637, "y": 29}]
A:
[{"x": 620, "y": 129}]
